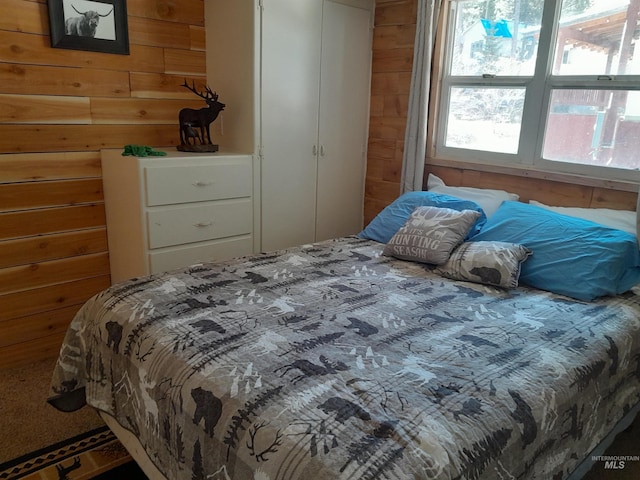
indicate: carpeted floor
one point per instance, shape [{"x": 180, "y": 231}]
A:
[
  {"x": 38, "y": 442},
  {"x": 28, "y": 424}
]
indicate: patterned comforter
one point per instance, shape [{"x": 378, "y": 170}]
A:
[{"x": 331, "y": 361}]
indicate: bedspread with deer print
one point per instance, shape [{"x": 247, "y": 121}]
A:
[{"x": 332, "y": 361}]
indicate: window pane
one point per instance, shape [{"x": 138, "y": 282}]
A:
[
  {"x": 496, "y": 37},
  {"x": 592, "y": 40},
  {"x": 485, "y": 119},
  {"x": 594, "y": 127}
]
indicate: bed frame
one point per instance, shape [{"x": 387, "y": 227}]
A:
[{"x": 133, "y": 446}]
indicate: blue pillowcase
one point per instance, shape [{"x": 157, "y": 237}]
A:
[
  {"x": 389, "y": 220},
  {"x": 571, "y": 256}
]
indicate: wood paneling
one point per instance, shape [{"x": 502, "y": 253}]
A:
[
  {"x": 21, "y": 16},
  {"x": 50, "y": 220},
  {"x": 47, "y": 299},
  {"x": 22, "y": 196},
  {"x": 606, "y": 198},
  {"x": 382, "y": 148},
  {"x": 386, "y": 37},
  {"x": 549, "y": 191},
  {"x": 198, "y": 38},
  {"x": 184, "y": 63},
  {"x": 25, "y": 277},
  {"x": 59, "y": 109},
  {"x": 49, "y": 166},
  {"x": 152, "y": 85},
  {"x": 396, "y": 12},
  {"x": 157, "y": 33},
  {"x": 391, "y": 83},
  {"x": 70, "y": 138},
  {"x": 119, "y": 111},
  {"x": 190, "y": 12},
  {"x": 24, "y": 251},
  {"x": 396, "y": 106},
  {"x": 72, "y": 81},
  {"x": 19, "y": 354},
  {"x": 386, "y": 128},
  {"x": 392, "y": 60},
  {"x": 38, "y": 109},
  {"x": 36, "y": 50},
  {"x": 33, "y": 327}
]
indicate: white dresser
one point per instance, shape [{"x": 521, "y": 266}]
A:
[{"x": 172, "y": 211}]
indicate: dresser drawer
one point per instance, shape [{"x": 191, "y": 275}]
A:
[
  {"x": 176, "y": 257},
  {"x": 197, "y": 183},
  {"x": 198, "y": 222}
]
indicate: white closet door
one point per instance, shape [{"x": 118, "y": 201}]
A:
[
  {"x": 344, "y": 109},
  {"x": 290, "y": 88}
]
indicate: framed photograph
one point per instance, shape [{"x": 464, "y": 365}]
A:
[{"x": 94, "y": 25}]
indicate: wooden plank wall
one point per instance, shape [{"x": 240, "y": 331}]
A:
[
  {"x": 58, "y": 108},
  {"x": 393, "y": 38},
  {"x": 552, "y": 189}
]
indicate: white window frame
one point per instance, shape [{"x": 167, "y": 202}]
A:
[{"x": 536, "y": 105}]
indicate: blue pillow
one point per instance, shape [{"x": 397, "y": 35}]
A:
[
  {"x": 389, "y": 220},
  {"x": 571, "y": 256}
]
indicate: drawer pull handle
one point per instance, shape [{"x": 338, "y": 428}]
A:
[
  {"x": 203, "y": 224},
  {"x": 200, "y": 183}
]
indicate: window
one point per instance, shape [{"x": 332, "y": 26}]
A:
[{"x": 547, "y": 84}]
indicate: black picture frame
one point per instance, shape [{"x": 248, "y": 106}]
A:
[{"x": 110, "y": 35}]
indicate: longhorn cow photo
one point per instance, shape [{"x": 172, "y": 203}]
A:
[
  {"x": 85, "y": 23},
  {"x": 91, "y": 25}
]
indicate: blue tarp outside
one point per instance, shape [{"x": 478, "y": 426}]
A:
[{"x": 499, "y": 28}]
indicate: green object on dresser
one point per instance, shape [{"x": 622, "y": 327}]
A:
[{"x": 141, "y": 151}]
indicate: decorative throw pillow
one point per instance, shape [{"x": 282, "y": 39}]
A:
[
  {"x": 430, "y": 234},
  {"x": 491, "y": 263}
]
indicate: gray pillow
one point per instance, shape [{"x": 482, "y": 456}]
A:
[
  {"x": 430, "y": 234},
  {"x": 491, "y": 263}
]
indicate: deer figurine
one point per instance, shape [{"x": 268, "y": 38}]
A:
[
  {"x": 190, "y": 118},
  {"x": 190, "y": 133}
]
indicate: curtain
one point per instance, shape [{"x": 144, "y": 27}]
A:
[{"x": 415, "y": 140}]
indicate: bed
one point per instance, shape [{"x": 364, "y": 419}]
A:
[{"x": 341, "y": 360}]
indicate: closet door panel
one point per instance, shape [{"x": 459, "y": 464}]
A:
[
  {"x": 289, "y": 120},
  {"x": 344, "y": 107}
]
